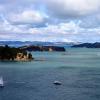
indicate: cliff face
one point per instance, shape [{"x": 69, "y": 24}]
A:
[
  {"x": 43, "y": 48},
  {"x": 14, "y": 54},
  {"x": 23, "y": 57}
]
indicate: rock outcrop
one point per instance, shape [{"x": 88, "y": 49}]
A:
[{"x": 23, "y": 57}]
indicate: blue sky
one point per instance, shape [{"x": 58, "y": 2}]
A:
[{"x": 50, "y": 20}]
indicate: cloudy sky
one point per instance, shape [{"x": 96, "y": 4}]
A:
[{"x": 50, "y": 20}]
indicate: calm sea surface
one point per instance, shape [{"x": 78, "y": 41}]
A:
[{"x": 77, "y": 69}]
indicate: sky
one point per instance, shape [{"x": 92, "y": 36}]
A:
[{"x": 50, "y": 20}]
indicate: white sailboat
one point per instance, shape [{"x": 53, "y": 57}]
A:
[{"x": 1, "y": 82}]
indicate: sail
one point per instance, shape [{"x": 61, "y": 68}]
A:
[{"x": 1, "y": 81}]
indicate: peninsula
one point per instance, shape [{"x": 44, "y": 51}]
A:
[
  {"x": 88, "y": 45},
  {"x": 43, "y": 48}
]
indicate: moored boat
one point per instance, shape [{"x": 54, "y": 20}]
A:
[{"x": 57, "y": 83}]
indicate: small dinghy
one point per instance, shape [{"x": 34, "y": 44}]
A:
[
  {"x": 1, "y": 82},
  {"x": 57, "y": 83}
]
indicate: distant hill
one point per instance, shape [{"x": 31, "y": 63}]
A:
[
  {"x": 42, "y": 48},
  {"x": 88, "y": 45},
  {"x": 36, "y": 43}
]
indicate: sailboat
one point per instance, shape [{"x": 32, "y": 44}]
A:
[{"x": 1, "y": 82}]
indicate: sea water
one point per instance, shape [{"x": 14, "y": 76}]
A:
[{"x": 78, "y": 69}]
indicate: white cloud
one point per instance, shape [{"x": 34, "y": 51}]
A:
[
  {"x": 50, "y": 20},
  {"x": 26, "y": 17},
  {"x": 65, "y": 32},
  {"x": 72, "y": 8}
]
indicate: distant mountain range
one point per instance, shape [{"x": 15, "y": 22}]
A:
[
  {"x": 36, "y": 43},
  {"x": 60, "y": 44}
]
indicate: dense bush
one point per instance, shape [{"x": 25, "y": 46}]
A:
[{"x": 10, "y": 53}]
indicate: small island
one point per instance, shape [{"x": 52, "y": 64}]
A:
[{"x": 14, "y": 54}]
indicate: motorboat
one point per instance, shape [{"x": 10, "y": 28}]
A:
[{"x": 57, "y": 83}]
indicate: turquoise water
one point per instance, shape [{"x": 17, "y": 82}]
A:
[{"x": 77, "y": 69}]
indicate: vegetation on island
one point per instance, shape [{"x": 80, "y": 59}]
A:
[{"x": 14, "y": 54}]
